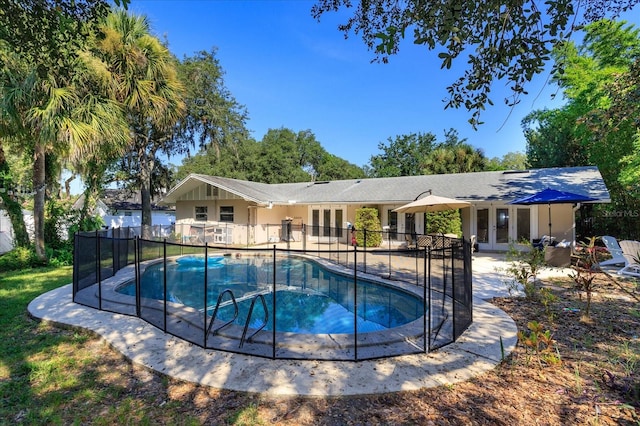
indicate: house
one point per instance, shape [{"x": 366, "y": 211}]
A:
[
  {"x": 243, "y": 211},
  {"x": 121, "y": 208}
]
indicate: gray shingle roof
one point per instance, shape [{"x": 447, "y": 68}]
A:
[{"x": 474, "y": 187}]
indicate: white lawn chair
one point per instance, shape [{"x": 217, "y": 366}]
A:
[
  {"x": 631, "y": 252},
  {"x": 616, "y": 252}
]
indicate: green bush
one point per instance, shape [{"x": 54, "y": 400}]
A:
[
  {"x": 18, "y": 258},
  {"x": 445, "y": 222},
  {"x": 25, "y": 257},
  {"x": 525, "y": 262},
  {"x": 61, "y": 256},
  {"x": 367, "y": 218}
]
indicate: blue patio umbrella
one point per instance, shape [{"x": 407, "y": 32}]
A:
[{"x": 552, "y": 196}]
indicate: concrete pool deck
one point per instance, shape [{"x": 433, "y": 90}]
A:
[{"x": 478, "y": 350}]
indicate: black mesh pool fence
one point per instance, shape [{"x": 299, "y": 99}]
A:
[{"x": 328, "y": 302}]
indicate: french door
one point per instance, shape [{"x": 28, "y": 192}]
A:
[
  {"x": 496, "y": 226},
  {"x": 327, "y": 221}
]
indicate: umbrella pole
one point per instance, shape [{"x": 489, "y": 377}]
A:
[{"x": 549, "y": 204}]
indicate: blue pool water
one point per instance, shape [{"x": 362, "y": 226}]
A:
[{"x": 315, "y": 299}]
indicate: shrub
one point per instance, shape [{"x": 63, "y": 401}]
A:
[
  {"x": 18, "y": 258},
  {"x": 584, "y": 270},
  {"x": 524, "y": 265},
  {"x": 444, "y": 222},
  {"x": 61, "y": 256},
  {"x": 539, "y": 343},
  {"x": 367, "y": 219}
]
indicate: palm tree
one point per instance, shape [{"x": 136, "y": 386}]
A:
[
  {"x": 147, "y": 85},
  {"x": 54, "y": 112}
]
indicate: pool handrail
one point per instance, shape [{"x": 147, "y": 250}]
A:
[
  {"x": 215, "y": 312},
  {"x": 246, "y": 324}
]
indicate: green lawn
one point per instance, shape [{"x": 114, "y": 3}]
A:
[{"x": 52, "y": 375}]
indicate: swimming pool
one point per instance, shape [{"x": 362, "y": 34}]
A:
[{"x": 310, "y": 299}]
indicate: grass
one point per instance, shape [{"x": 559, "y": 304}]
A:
[{"x": 34, "y": 358}]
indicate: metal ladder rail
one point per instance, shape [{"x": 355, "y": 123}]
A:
[
  {"x": 215, "y": 312},
  {"x": 246, "y": 324}
]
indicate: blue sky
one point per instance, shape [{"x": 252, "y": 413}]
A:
[{"x": 292, "y": 71}]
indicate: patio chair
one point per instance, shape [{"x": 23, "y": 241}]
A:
[
  {"x": 616, "y": 251},
  {"x": 410, "y": 241},
  {"x": 425, "y": 241},
  {"x": 631, "y": 252}
]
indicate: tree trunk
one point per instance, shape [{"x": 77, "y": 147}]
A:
[
  {"x": 39, "y": 184},
  {"x": 146, "y": 168},
  {"x": 67, "y": 185}
]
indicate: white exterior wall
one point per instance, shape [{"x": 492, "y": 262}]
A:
[
  {"x": 6, "y": 229},
  {"x": 562, "y": 221},
  {"x": 133, "y": 219}
]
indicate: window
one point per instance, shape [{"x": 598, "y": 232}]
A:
[
  {"x": 326, "y": 228},
  {"x": 339, "y": 222},
  {"x": 226, "y": 213},
  {"x": 393, "y": 224},
  {"x": 315, "y": 223},
  {"x": 201, "y": 213}
]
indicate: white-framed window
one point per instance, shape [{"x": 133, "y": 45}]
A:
[
  {"x": 201, "y": 213},
  {"x": 226, "y": 213}
]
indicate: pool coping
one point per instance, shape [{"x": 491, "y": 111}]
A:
[{"x": 491, "y": 337}]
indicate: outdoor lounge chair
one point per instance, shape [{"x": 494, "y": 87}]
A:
[
  {"x": 616, "y": 252},
  {"x": 631, "y": 252}
]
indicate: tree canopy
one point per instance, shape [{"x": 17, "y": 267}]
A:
[
  {"x": 499, "y": 40},
  {"x": 282, "y": 156},
  {"x": 599, "y": 123},
  {"x": 51, "y": 107},
  {"x": 420, "y": 154}
]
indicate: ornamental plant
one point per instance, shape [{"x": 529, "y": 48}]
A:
[
  {"x": 367, "y": 221},
  {"x": 584, "y": 271}
]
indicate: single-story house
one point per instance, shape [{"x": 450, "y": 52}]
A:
[
  {"x": 121, "y": 208},
  {"x": 243, "y": 210}
]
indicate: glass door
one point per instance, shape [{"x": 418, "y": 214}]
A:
[
  {"x": 501, "y": 225},
  {"x": 326, "y": 222},
  {"x": 482, "y": 228},
  {"x": 497, "y": 226},
  {"x": 393, "y": 225}
]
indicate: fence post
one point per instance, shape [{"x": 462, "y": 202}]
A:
[
  {"x": 365, "y": 250},
  {"x": 273, "y": 349},
  {"x": 164, "y": 280},
  {"x": 136, "y": 256},
  {"x": 115, "y": 258},
  {"x": 426, "y": 304},
  {"x": 99, "y": 270},
  {"x": 304, "y": 237},
  {"x": 355, "y": 301},
  {"x": 76, "y": 265},
  {"x": 206, "y": 280}
]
